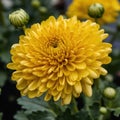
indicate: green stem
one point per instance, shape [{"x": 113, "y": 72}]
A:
[
  {"x": 75, "y": 108},
  {"x": 24, "y": 27},
  {"x": 110, "y": 103},
  {"x": 96, "y": 20},
  {"x": 101, "y": 117}
]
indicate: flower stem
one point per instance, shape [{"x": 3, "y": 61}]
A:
[
  {"x": 75, "y": 108},
  {"x": 24, "y": 27},
  {"x": 101, "y": 117}
]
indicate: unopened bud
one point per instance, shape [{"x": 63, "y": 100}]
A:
[
  {"x": 109, "y": 77},
  {"x": 96, "y": 10},
  {"x": 35, "y": 3},
  {"x": 43, "y": 9},
  {"x": 19, "y": 18},
  {"x": 109, "y": 92},
  {"x": 103, "y": 110}
]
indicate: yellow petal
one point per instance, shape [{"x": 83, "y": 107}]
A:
[
  {"x": 21, "y": 84},
  {"x": 87, "y": 89},
  {"x": 57, "y": 97},
  {"x": 75, "y": 94},
  {"x": 24, "y": 92},
  {"x": 33, "y": 85},
  {"x": 39, "y": 94},
  {"x": 54, "y": 92},
  {"x": 50, "y": 83},
  {"x": 62, "y": 80},
  {"x": 27, "y": 70},
  {"x": 88, "y": 80},
  {"x": 51, "y": 69},
  {"x": 106, "y": 60},
  {"x": 78, "y": 87},
  {"x": 67, "y": 99},
  {"x": 103, "y": 71},
  {"x": 29, "y": 76},
  {"x": 17, "y": 75},
  {"x": 27, "y": 63},
  {"x": 53, "y": 76},
  {"x": 60, "y": 87},
  {"x": 83, "y": 73},
  {"x": 43, "y": 80},
  {"x": 65, "y": 71},
  {"x": 43, "y": 88},
  {"x": 73, "y": 76},
  {"x": 39, "y": 73},
  {"x": 70, "y": 82},
  {"x": 12, "y": 66},
  {"x": 93, "y": 74},
  {"x": 70, "y": 67},
  {"x": 32, "y": 94},
  {"x": 80, "y": 66},
  {"x": 47, "y": 97},
  {"x": 67, "y": 89},
  {"x": 60, "y": 73}
]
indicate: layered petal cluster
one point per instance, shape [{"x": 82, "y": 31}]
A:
[
  {"x": 80, "y": 9},
  {"x": 59, "y": 58}
]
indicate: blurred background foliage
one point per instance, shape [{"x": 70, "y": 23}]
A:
[{"x": 12, "y": 106}]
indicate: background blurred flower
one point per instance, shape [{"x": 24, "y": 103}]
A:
[
  {"x": 7, "y": 3},
  {"x": 60, "y": 58},
  {"x": 80, "y": 9}
]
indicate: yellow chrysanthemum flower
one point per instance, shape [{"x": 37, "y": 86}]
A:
[
  {"x": 59, "y": 57},
  {"x": 80, "y": 9}
]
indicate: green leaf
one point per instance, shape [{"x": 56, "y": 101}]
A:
[
  {"x": 41, "y": 116},
  {"x": 57, "y": 107},
  {"x": 82, "y": 115},
  {"x": 117, "y": 112},
  {"x": 94, "y": 111},
  {"x": 20, "y": 116},
  {"x": 35, "y": 104},
  {"x": 65, "y": 115}
]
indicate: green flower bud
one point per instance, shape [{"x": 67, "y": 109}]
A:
[
  {"x": 43, "y": 9},
  {"x": 35, "y": 3},
  {"x": 19, "y": 18},
  {"x": 103, "y": 110},
  {"x": 109, "y": 92},
  {"x": 109, "y": 77},
  {"x": 96, "y": 10}
]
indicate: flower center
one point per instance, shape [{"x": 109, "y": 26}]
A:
[{"x": 54, "y": 42}]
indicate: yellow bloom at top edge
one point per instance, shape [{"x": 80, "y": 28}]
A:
[
  {"x": 80, "y": 9},
  {"x": 59, "y": 57}
]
